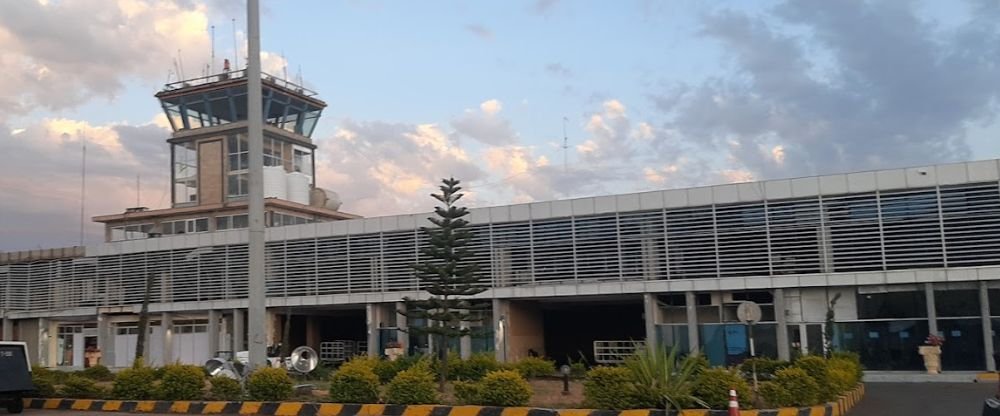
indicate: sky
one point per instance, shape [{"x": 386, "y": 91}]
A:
[{"x": 652, "y": 95}]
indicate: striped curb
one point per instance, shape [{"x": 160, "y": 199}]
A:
[{"x": 837, "y": 408}]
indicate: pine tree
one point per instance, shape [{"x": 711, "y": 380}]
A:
[{"x": 448, "y": 277}]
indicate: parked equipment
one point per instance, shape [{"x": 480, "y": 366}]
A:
[{"x": 16, "y": 380}]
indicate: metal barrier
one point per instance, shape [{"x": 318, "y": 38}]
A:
[{"x": 615, "y": 352}]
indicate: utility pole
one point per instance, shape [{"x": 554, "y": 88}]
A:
[{"x": 256, "y": 312}]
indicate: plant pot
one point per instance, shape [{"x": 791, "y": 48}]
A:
[
  {"x": 932, "y": 358},
  {"x": 393, "y": 353}
]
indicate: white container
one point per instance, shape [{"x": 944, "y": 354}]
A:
[
  {"x": 275, "y": 184},
  {"x": 298, "y": 188}
]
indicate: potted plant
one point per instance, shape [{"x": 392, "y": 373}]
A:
[
  {"x": 393, "y": 350},
  {"x": 931, "y": 351}
]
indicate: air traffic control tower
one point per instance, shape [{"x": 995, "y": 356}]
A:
[{"x": 209, "y": 160}]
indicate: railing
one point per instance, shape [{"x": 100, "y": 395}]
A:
[
  {"x": 239, "y": 73},
  {"x": 615, "y": 352}
]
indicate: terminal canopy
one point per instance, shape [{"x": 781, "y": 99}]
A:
[{"x": 222, "y": 99}]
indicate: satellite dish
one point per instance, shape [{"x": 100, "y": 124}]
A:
[
  {"x": 303, "y": 360},
  {"x": 222, "y": 368},
  {"x": 748, "y": 312}
]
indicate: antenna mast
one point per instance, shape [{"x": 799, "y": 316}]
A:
[
  {"x": 211, "y": 62},
  {"x": 83, "y": 181},
  {"x": 236, "y": 48},
  {"x": 565, "y": 145}
]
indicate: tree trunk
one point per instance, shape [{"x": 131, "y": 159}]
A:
[
  {"x": 286, "y": 334},
  {"x": 140, "y": 343}
]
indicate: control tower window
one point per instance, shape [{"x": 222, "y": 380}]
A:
[
  {"x": 273, "y": 152},
  {"x": 185, "y": 172},
  {"x": 239, "y": 157},
  {"x": 302, "y": 161}
]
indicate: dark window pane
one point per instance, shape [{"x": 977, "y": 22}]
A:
[
  {"x": 892, "y": 305},
  {"x": 956, "y": 302}
]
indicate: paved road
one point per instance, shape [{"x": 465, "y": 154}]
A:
[
  {"x": 881, "y": 399},
  {"x": 924, "y": 399}
]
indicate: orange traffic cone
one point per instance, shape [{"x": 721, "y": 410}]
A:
[{"x": 734, "y": 404}]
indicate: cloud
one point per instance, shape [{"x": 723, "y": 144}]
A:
[
  {"x": 856, "y": 85},
  {"x": 486, "y": 125},
  {"x": 40, "y": 178},
  {"x": 480, "y": 31},
  {"x": 57, "y": 55},
  {"x": 558, "y": 70}
]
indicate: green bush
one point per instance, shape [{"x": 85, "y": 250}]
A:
[
  {"x": 386, "y": 370},
  {"x": 98, "y": 373},
  {"x": 475, "y": 368},
  {"x": 269, "y": 385},
  {"x": 503, "y": 388},
  {"x": 134, "y": 383},
  {"x": 533, "y": 367},
  {"x": 609, "y": 388},
  {"x": 662, "y": 381},
  {"x": 77, "y": 387},
  {"x": 577, "y": 369},
  {"x": 354, "y": 384},
  {"x": 766, "y": 367},
  {"x": 712, "y": 387},
  {"x": 54, "y": 376},
  {"x": 792, "y": 386},
  {"x": 181, "y": 382},
  {"x": 841, "y": 380},
  {"x": 43, "y": 386},
  {"x": 818, "y": 368},
  {"x": 467, "y": 392},
  {"x": 850, "y": 361},
  {"x": 225, "y": 388},
  {"x": 360, "y": 361},
  {"x": 414, "y": 385}
]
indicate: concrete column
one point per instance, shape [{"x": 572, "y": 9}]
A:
[
  {"x": 372, "y": 312},
  {"x": 402, "y": 335},
  {"x": 226, "y": 341},
  {"x": 501, "y": 327},
  {"x": 213, "y": 333},
  {"x": 932, "y": 323},
  {"x": 48, "y": 347},
  {"x": 8, "y": 329},
  {"x": 167, "y": 324},
  {"x": 690, "y": 306},
  {"x": 239, "y": 330},
  {"x": 650, "y": 314},
  {"x": 106, "y": 340},
  {"x": 312, "y": 333},
  {"x": 984, "y": 312},
  {"x": 465, "y": 343},
  {"x": 779, "y": 317}
]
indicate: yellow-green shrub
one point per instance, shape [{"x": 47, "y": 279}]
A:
[
  {"x": 181, "y": 382},
  {"x": 414, "y": 385},
  {"x": 474, "y": 368},
  {"x": 504, "y": 388},
  {"x": 792, "y": 386},
  {"x": 532, "y": 367},
  {"x": 818, "y": 369},
  {"x": 77, "y": 387},
  {"x": 134, "y": 383},
  {"x": 609, "y": 388},
  {"x": 354, "y": 384},
  {"x": 712, "y": 386},
  {"x": 269, "y": 385},
  {"x": 225, "y": 388},
  {"x": 43, "y": 386},
  {"x": 98, "y": 373}
]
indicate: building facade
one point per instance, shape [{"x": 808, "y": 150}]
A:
[{"x": 897, "y": 254}]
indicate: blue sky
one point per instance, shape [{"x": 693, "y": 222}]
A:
[{"x": 656, "y": 95}]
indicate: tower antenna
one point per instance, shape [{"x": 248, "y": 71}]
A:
[
  {"x": 211, "y": 62},
  {"x": 236, "y": 48},
  {"x": 298, "y": 77},
  {"x": 137, "y": 191},
  {"x": 83, "y": 181},
  {"x": 565, "y": 145},
  {"x": 284, "y": 67},
  {"x": 180, "y": 63}
]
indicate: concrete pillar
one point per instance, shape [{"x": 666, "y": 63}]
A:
[
  {"x": 932, "y": 323},
  {"x": 690, "y": 306},
  {"x": 213, "y": 333},
  {"x": 106, "y": 340},
  {"x": 272, "y": 322},
  {"x": 167, "y": 324},
  {"x": 779, "y": 317},
  {"x": 465, "y": 343},
  {"x": 402, "y": 335},
  {"x": 8, "y": 329},
  {"x": 501, "y": 310},
  {"x": 47, "y": 345},
  {"x": 239, "y": 330},
  {"x": 984, "y": 312},
  {"x": 312, "y": 333},
  {"x": 372, "y": 313},
  {"x": 650, "y": 315}
]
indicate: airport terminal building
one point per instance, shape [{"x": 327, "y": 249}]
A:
[{"x": 905, "y": 253}]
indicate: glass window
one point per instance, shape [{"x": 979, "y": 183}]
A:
[
  {"x": 241, "y": 221},
  {"x": 222, "y": 223},
  {"x": 302, "y": 161},
  {"x": 273, "y": 152},
  {"x": 956, "y": 303},
  {"x": 883, "y": 345},
  {"x": 963, "y": 346},
  {"x": 131, "y": 232},
  {"x": 892, "y": 305},
  {"x": 185, "y": 172}
]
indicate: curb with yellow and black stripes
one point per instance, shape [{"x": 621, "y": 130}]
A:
[{"x": 836, "y": 408}]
